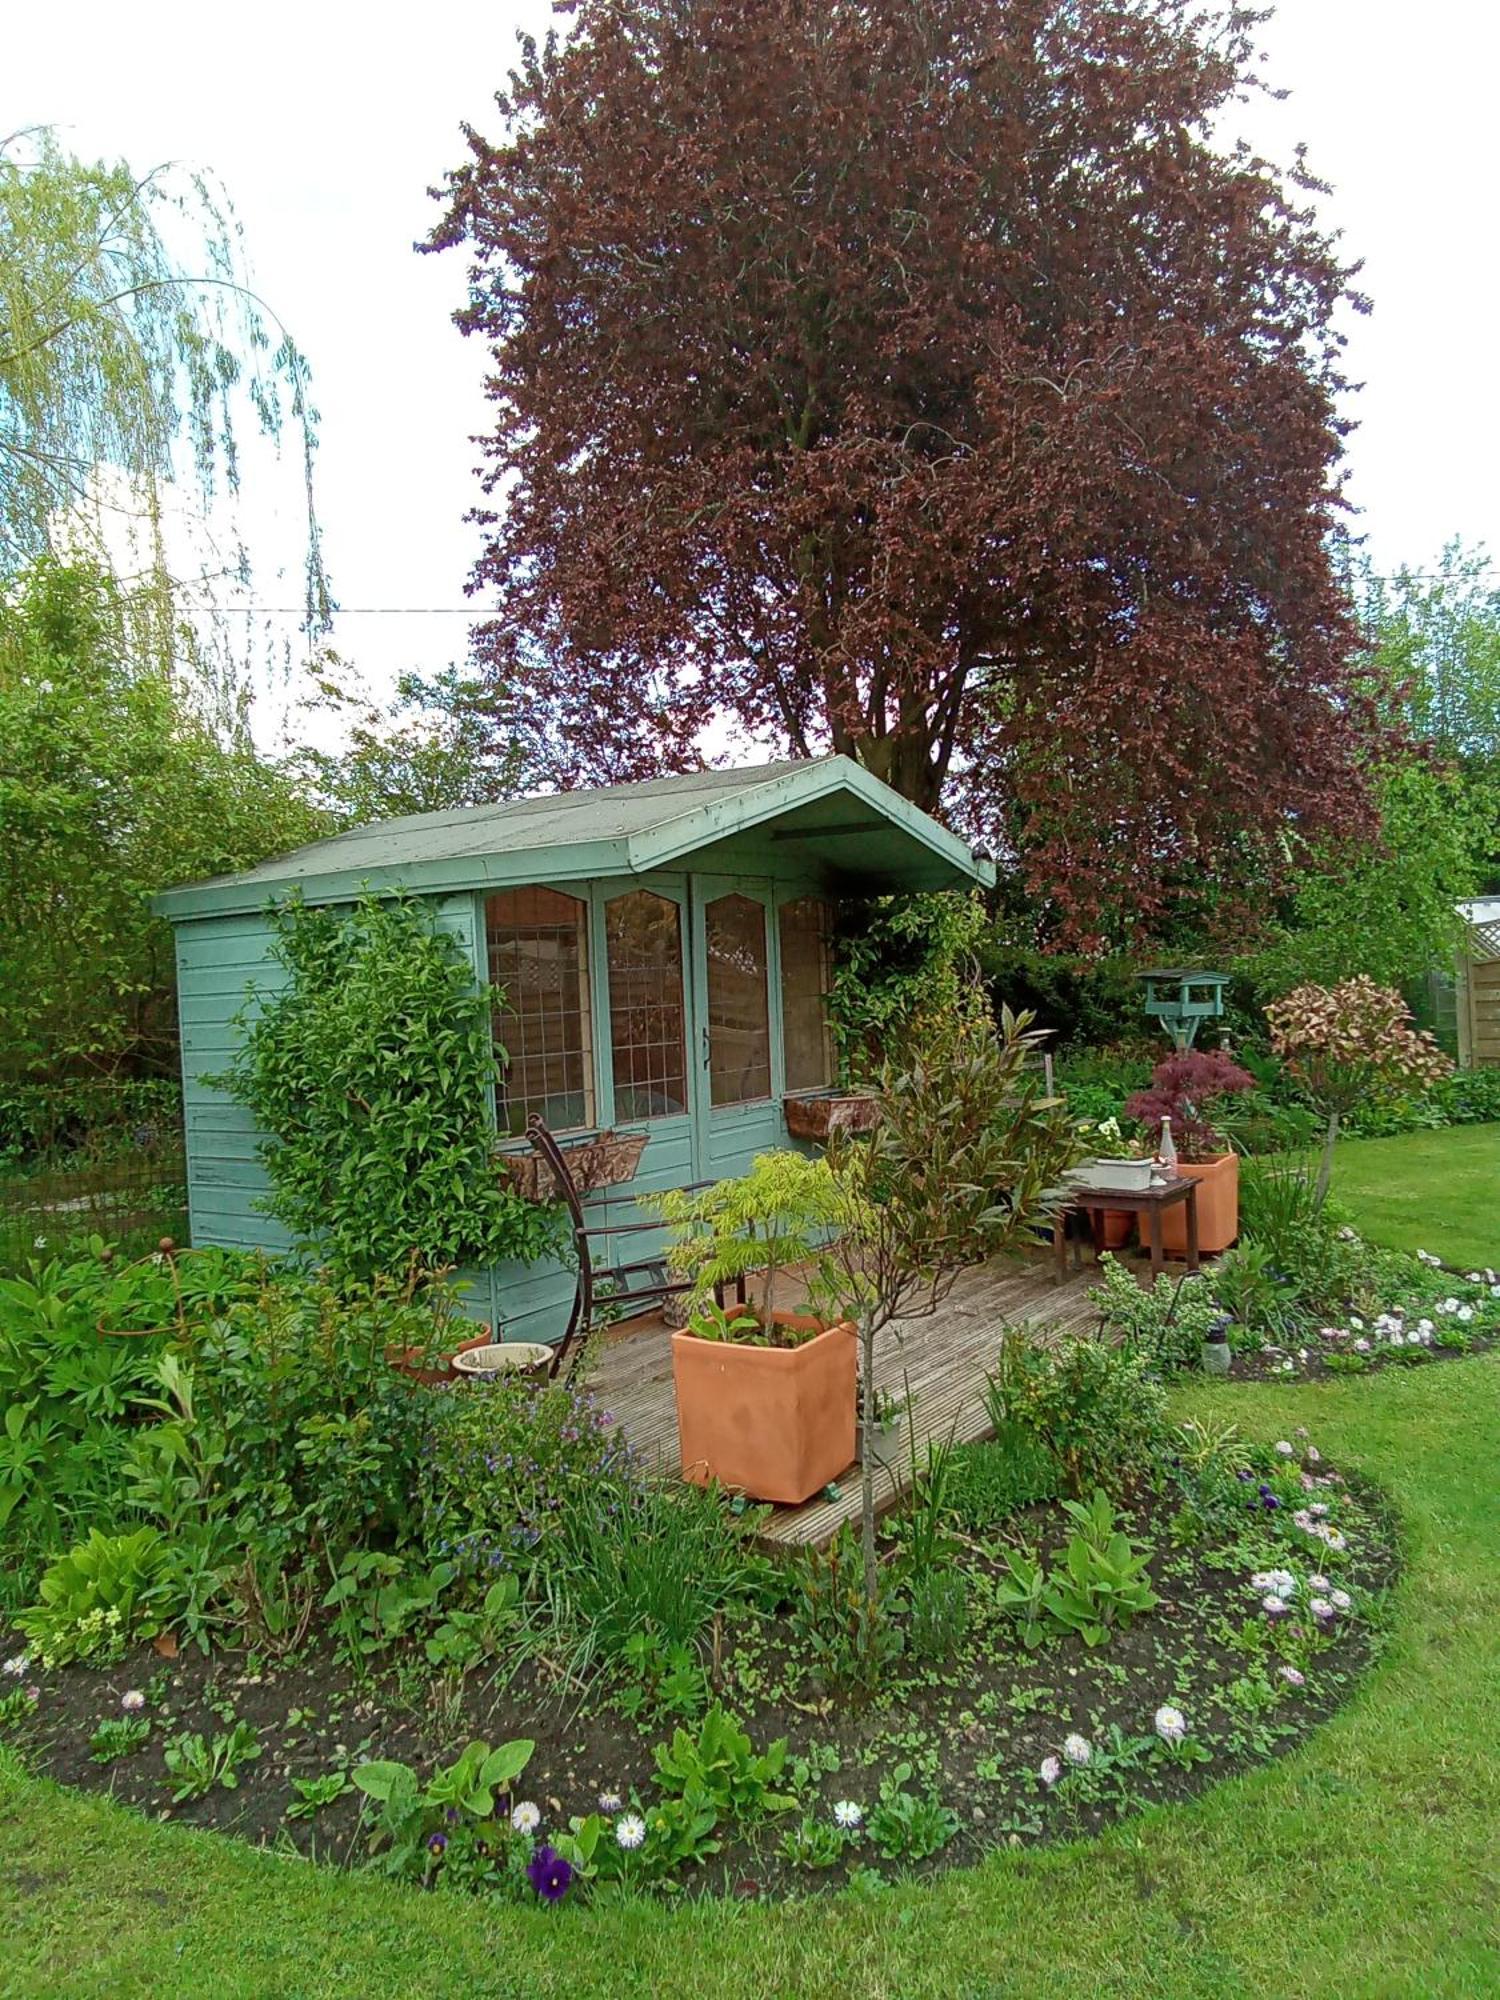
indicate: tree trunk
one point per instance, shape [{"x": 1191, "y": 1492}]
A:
[
  {"x": 1325, "y": 1165},
  {"x": 867, "y": 1475}
]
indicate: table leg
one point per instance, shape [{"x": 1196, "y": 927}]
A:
[
  {"x": 1096, "y": 1231},
  {"x": 1060, "y": 1246},
  {"x": 1155, "y": 1235},
  {"x": 1192, "y": 1226}
]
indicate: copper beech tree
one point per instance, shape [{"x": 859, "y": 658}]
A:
[{"x": 929, "y": 383}]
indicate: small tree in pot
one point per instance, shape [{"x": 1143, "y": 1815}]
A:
[
  {"x": 963, "y": 1165},
  {"x": 1350, "y": 1042},
  {"x": 1189, "y": 1090}
]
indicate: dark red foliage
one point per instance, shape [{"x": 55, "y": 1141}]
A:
[
  {"x": 1186, "y": 1088},
  {"x": 920, "y": 382}
]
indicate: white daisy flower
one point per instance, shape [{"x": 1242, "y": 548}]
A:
[
  {"x": 1313, "y": 1455},
  {"x": 1465, "y": 1313},
  {"x": 132, "y": 1701},
  {"x": 1320, "y": 1608},
  {"x": 848, "y": 1813},
  {"x": 1340, "y": 1599},
  {"x": 1293, "y": 1676},
  {"x": 1319, "y": 1584},
  {"x": 1273, "y": 1605},
  {"x": 1361, "y": 1346},
  {"x": 1285, "y": 1448},
  {"x": 1474, "y": 1278},
  {"x": 1077, "y": 1749},
  {"x": 1334, "y": 1539},
  {"x": 1171, "y": 1724},
  {"x": 630, "y": 1832},
  {"x": 610, "y": 1802},
  {"x": 526, "y": 1817},
  {"x": 16, "y": 1665},
  {"x": 1051, "y": 1770}
]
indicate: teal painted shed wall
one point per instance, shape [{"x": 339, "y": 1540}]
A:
[{"x": 225, "y": 965}]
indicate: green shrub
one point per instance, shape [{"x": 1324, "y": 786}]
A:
[
  {"x": 988, "y": 1482},
  {"x": 1096, "y": 1407},
  {"x": 1468, "y": 1097},
  {"x": 371, "y": 1073},
  {"x": 1165, "y": 1326}
]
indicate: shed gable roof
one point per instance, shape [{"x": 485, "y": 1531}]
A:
[{"x": 614, "y": 830}]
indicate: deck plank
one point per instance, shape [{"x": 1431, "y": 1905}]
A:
[{"x": 943, "y": 1359}]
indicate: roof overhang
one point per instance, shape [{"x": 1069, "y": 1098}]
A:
[{"x": 828, "y": 818}]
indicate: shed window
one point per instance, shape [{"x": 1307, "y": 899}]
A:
[
  {"x": 643, "y": 935},
  {"x": 739, "y": 1029},
  {"x": 806, "y": 974},
  {"x": 539, "y": 957}
]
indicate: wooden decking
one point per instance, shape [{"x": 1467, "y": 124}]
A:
[{"x": 943, "y": 1360}]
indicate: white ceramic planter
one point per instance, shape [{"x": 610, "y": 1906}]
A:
[{"x": 1124, "y": 1176}]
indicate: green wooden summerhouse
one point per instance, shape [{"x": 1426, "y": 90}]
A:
[{"x": 663, "y": 952}]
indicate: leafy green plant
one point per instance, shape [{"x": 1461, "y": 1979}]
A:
[
  {"x": 937, "y": 1603},
  {"x": 413, "y": 1828},
  {"x": 1101, "y": 1584},
  {"x": 719, "y": 1768},
  {"x": 315, "y": 1795},
  {"x": 195, "y": 1764},
  {"x": 782, "y": 1212},
  {"x": 379, "y": 1148},
  {"x": 814, "y": 1843},
  {"x": 119, "y": 1736},
  {"x": 465, "y": 1638},
  {"x": 660, "y": 1679},
  {"x": 988, "y": 1482},
  {"x": 849, "y": 1645},
  {"x": 93, "y": 1600},
  {"x": 1020, "y": 1594},
  {"x": 909, "y": 1826}
]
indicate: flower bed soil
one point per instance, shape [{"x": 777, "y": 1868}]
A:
[{"x": 976, "y": 1727}]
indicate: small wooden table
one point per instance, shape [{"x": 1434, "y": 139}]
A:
[{"x": 1148, "y": 1202}]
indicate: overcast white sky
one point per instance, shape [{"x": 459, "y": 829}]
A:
[{"x": 328, "y": 123}]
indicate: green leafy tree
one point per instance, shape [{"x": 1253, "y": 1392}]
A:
[
  {"x": 963, "y": 1165},
  {"x": 113, "y": 785},
  {"x": 429, "y": 750},
  {"x": 1436, "y": 636},
  {"x": 132, "y": 348},
  {"x": 1388, "y": 910}
]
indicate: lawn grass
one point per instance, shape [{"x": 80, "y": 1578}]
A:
[
  {"x": 1437, "y": 1191},
  {"x": 1365, "y": 1863}
]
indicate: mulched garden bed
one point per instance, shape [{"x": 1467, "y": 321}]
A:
[{"x": 974, "y": 1731}]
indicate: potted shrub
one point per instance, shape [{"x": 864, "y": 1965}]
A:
[
  {"x": 765, "y": 1394},
  {"x": 815, "y": 1115},
  {"x": 1188, "y": 1090},
  {"x": 879, "y": 1441}
]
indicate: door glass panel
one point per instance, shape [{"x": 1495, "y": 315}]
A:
[
  {"x": 806, "y": 972},
  {"x": 538, "y": 957},
  {"x": 739, "y": 1029},
  {"x": 644, "y": 948}
]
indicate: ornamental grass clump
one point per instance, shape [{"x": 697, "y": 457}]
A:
[{"x": 1348, "y": 1043}]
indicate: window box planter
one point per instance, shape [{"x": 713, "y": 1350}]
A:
[
  {"x": 1218, "y": 1206},
  {"x": 774, "y": 1423},
  {"x": 606, "y": 1160},
  {"x": 816, "y": 1115}
]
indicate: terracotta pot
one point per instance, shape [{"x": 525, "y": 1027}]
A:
[
  {"x": 1118, "y": 1223},
  {"x": 776, "y": 1423},
  {"x": 1218, "y": 1207},
  {"x": 434, "y": 1368}
]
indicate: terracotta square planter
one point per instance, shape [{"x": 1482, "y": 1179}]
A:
[
  {"x": 1218, "y": 1207},
  {"x": 775, "y": 1423}
]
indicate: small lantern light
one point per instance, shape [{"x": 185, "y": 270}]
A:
[{"x": 1180, "y": 998}]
